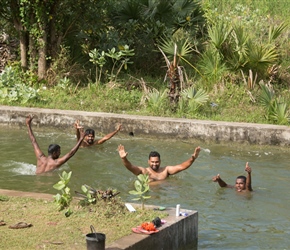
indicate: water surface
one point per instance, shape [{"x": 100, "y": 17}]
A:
[{"x": 227, "y": 220}]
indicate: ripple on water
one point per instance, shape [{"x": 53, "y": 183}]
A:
[{"x": 19, "y": 168}]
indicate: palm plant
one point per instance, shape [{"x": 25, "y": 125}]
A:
[
  {"x": 218, "y": 34},
  {"x": 212, "y": 66},
  {"x": 261, "y": 56},
  {"x": 174, "y": 71},
  {"x": 280, "y": 112},
  {"x": 266, "y": 96},
  {"x": 231, "y": 45},
  {"x": 155, "y": 100},
  {"x": 276, "y": 108},
  {"x": 194, "y": 98}
]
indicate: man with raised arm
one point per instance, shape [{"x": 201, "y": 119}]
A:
[
  {"x": 243, "y": 183},
  {"x": 52, "y": 161},
  {"x": 155, "y": 172},
  {"x": 89, "y": 139}
]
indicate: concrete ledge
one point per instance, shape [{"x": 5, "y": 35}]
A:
[
  {"x": 155, "y": 127},
  {"x": 175, "y": 234}
]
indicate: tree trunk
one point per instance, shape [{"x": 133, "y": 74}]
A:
[
  {"x": 42, "y": 56},
  {"x": 23, "y": 49}
]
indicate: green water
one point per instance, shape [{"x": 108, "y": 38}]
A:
[{"x": 226, "y": 220}]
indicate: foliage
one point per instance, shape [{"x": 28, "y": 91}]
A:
[
  {"x": 91, "y": 195},
  {"x": 141, "y": 188},
  {"x": 193, "y": 99},
  {"x": 120, "y": 59},
  {"x": 143, "y": 23},
  {"x": 64, "y": 199},
  {"x": 277, "y": 109},
  {"x": 232, "y": 47},
  {"x": 156, "y": 100},
  {"x": 14, "y": 88}
]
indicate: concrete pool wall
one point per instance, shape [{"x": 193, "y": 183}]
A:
[{"x": 154, "y": 127}]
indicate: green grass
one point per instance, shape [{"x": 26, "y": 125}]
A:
[{"x": 52, "y": 230}]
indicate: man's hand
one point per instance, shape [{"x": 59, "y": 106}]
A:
[
  {"x": 248, "y": 168},
  {"x": 216, "y": 178},
  {"x": 77, "y": 125},
  {"x": 28, "y": 120},
  {"x": 119, "y": 127},
  {"x": 196, "y": 152},
  {"x": 122, "y": 152},
  {"x": 82, "y": 132}
]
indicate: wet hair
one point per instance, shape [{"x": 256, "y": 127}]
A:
[
  {"x": 90, "y": 131},
  {"x": 242, "y": 177},
  {"x": 52, "y": 148},
  {"x": 154, "y": 154}
]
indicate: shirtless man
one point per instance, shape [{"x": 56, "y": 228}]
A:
[
  {"x": 243, "y": 183},
  {"x": 155, "y": 172},
  {"x": 89, "y": 139},
  {"x": 52, "y": 161}
]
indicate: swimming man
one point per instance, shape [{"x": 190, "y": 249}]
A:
[
  {"x": 89, "y": 139},
  {"x": 52, "y": 161},
  {"x": 243, "y": 183},
  {"x": 154, "y": 170}
]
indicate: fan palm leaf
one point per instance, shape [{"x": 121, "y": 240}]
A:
[
  {"x": 266, "y": 96},
  {"x": 218, "y": 34},
  {"x": 199, "y": 96},
  {"x": 261, "y": 56},
  {"x": 196, "y": 98},
  {"x": 275, "y": 32},
  {"x": 184, "y": 47},
  {"x": 280, "y": 113}
]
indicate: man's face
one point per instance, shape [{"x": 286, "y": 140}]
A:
[
  {"x": 55, "y": 155},
  {"x": 240, "y": 185},
  {"x": 89, "y": 139},
  {"x": 154, "y": 163}
]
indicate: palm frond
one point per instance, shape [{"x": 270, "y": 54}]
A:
[
  {"x": 261, "y": 56},
  {"x": 218, "y": 34},
  {"x": 199, "y": 96},
  {"x": 275, "y": 32},
  {"x": 184, "y": 47},
  {"x": 280, "y": 113},
  {"x": 266, "y": 96}
]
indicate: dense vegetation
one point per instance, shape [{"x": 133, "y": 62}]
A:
[{"x": 223, "y": 60}]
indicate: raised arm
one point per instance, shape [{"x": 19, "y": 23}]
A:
[
  {"x": 78, "y": 127},
  {"x": 37, "y": 150},
  {"x": 109, "y": 136},
  {"x": 134, "y": 169},
  {"x": 70, "y": 154},
  {"x": 218, "y": 179},
  {"x": 180, "y": 167},
  {"x": 249, "y": 177}
]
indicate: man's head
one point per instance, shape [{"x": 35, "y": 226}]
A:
[
  {"x": 89, "y": 136},
  {"x": 154, "y": 160},
  {"x": 240, "y": 183},
  {"x": 54, "y": 151}
]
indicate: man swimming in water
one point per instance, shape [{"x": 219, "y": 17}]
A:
[
  {"x": 89, "y": 139},
  {"x": 243, "y": 183},
  {"x": 155, "y": 172},
  {"x": 52, "y": 161}
]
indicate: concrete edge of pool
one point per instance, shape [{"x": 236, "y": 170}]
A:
[
  {"x": 175, "y": 234},
  {"x": 155, "y": 127}
]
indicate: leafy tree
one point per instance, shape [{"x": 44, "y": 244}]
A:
[{"x": 142, "y": 23}]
